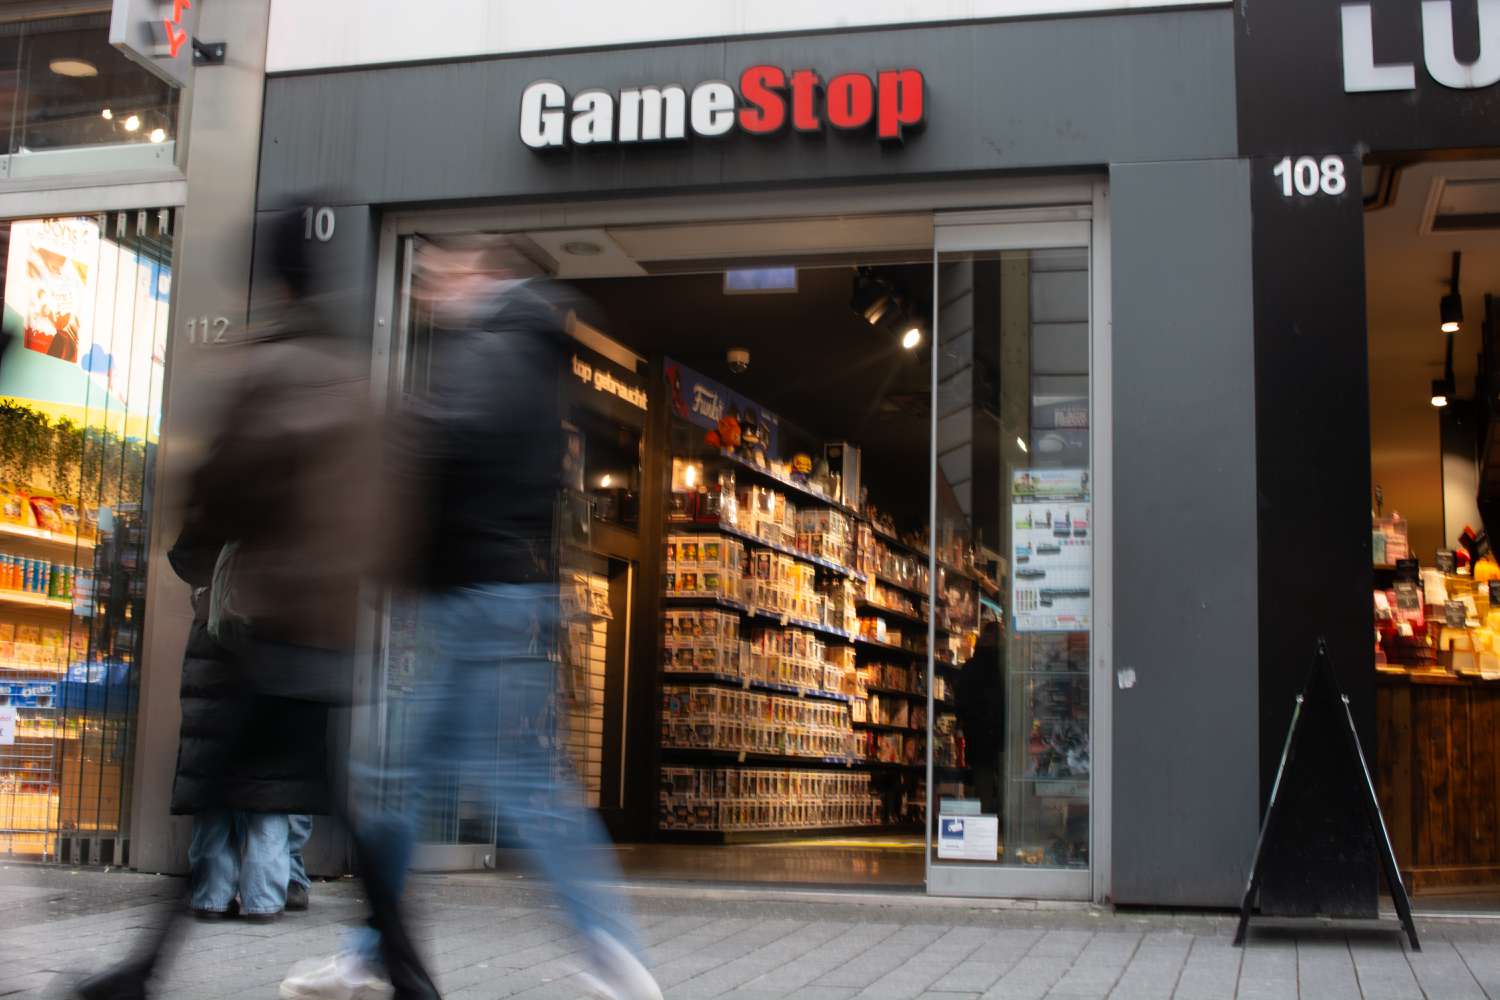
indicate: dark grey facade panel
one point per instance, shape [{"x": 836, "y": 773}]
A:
[
  {"x": 1012, "y": 95},
  {"x": 1185, "y": 757}
]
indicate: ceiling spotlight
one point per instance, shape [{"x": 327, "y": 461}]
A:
[
  {"x": 872, "y": 298},
  {"x": 605, "y": 480},
  {"x": 738, "y": 360},
  {"x": 911, "y": 338},
  {"x": 582, "y": 248},
  {"x": 133, "y": 123},
  {"x": 76, "y": 68},
  {"x": 1451, "y": 308},
  {"x": 158, "y": 135},
  {"x": 1021, "y": 443},
  {"x": 109, "y": 115},
  {"x": 1442, "y": 391}
]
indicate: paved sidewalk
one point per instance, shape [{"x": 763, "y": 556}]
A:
[{"x": 497, "y": 936}]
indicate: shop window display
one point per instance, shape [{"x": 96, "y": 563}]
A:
[{"x": 86, "y": 319}]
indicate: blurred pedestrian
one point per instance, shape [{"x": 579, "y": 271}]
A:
[
  {"x": 284, "y": 501},
  {"x": 479, "y": 473}
]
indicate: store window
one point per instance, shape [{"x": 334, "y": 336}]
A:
[
  {"x": 85, "y": 328},
  {"x": 63, "y": 86},
  {"x": 1014, "y": 553}
]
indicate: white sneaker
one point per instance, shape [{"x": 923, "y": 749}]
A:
[
  {"x": 615, "y": 973},
  {"x": 345, "y": 976}
]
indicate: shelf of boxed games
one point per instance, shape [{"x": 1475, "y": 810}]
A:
[{"x": 730, "y": 531}]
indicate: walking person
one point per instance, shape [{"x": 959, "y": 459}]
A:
[
  {"x": 284, "y": 501},
  {"x": 482, "y": 467},
  {"x": 298, "y": 884}
]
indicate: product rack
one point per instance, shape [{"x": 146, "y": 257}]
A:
[{"x": 718, "y": 527}]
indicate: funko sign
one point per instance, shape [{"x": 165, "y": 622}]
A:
[{"x": 767, "y": 101}]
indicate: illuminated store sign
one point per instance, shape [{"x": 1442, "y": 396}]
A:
[{"x": 767, "y": 102}]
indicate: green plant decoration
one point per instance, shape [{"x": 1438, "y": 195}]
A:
[{"x": 91, "y": 464}]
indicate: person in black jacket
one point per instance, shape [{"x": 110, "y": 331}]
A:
[
  {"x": 480, "y": 470},
  {"x": 245, "y": 761}
]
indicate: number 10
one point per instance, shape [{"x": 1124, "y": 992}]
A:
[{"x": 1308, "y": 176}]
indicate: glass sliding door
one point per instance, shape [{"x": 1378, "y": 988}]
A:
[{"x": 1011, "y": 767}]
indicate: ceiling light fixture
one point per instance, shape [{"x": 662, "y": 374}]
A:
[
  {"x": 1442, "y": 391},
  {"x": 109, "y": 115},
  {"x": 1442, "y": 388},
  {"x": 582, "y": 248},
  {"x": 133, "y": 123},
  {"x": 77, "y": 69},
  {"x": 158, "y": 135},
  {"x": 911, "y": 338},
  {"x": 605, "y": 480},
  {"x": 1451, "y": 308},
  {"x": 872, "y": 297},
  {"x": 1021, "y": 443}
]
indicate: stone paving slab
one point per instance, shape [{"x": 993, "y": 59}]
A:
[{"x": 492, "y": 938}]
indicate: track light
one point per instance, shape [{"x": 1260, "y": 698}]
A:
[
  {"x": 873, "y": 297},
  {"x": 911, "y": 338},
  {"x": 1442, "y": 391},
  {"x": 1451, "y": 308}
]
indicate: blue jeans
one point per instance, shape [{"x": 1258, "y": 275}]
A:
[
  {"x": 299, "y": 832},
  {"x": 239, "y": 854},
  {"x": 486, "y": 709}
]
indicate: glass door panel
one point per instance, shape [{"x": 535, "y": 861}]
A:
[{"x": 1012, "y": 563}]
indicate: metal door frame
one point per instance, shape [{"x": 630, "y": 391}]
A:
[
  {"x": 1085, "y": 226},
  {"x": 961, "y": 209}
]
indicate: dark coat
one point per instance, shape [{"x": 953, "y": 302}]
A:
[{"x": 241, "y": 750}]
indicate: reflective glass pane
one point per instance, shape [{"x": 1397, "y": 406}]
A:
[
  {"x": 65, "y": 86},
  {"x": 1012, "y": 758},
  {"x": 85, "y": 322}
]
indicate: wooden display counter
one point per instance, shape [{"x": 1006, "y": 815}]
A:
[{"x": 1437, "y": 773}]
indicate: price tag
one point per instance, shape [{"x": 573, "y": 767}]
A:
[{"x": 7, "y": 725}]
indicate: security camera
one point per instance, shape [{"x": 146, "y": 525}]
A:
[{"x": 739, "y": 360}]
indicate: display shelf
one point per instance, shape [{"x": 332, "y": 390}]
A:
[
  {"x": 729, "y": 680},
  {"x": 719, "y": 528},
  {"x": 46, "y": 537},
  {"x": 779, "y": 620},
  {"x": 887, "y": 728},
  {"x": 752, "y": 757},
  {"x": 861, "y": 641},
  {"x": 786, "y": 621},
  {"x": 886, "y": 581},
  {"x": 55, "y": 670},
  {"x": 893, "y": 542},
  {"x": 22, "y": 599},
  {"x": 715, "y": 600},
  {"x": 766, "y": 476},
  {"x": 881, "y": 609},
  {"x": 875, "y": 689}
]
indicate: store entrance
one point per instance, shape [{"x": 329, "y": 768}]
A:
[
  {"x": 792, "y": 651},
  {"x": 1432, "y": 232}
]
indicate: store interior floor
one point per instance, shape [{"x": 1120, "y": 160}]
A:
[{"x": 870, "y": 862}]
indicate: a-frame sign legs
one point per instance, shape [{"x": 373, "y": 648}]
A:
[{"x": 1322, "y": 681}]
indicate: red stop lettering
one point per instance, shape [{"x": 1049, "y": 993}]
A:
[
  {"x": 761, "y": 87},
  {"x": 851, "y": 100},
  {"x": 902, "y": 103}
]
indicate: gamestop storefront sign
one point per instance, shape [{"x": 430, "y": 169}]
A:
[{"x": 768, "y": 101}]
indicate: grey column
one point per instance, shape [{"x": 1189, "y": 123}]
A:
[
  {"x": 1186, "y": 722},
  {"x": 212, "y": 278}
]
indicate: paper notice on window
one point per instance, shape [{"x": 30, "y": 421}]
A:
[
  {"x": 7, "y": 725},
  {"x": 1052, "y": 545},
  {"x": 968, "y": 838}
]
